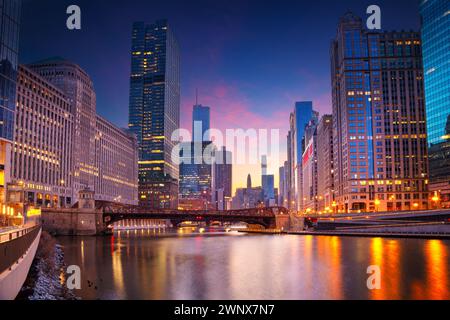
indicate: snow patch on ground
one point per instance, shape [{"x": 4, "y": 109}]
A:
[{"x": 46, "y": 278}]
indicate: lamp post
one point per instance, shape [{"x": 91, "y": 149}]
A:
[
  {"x": 377, "y": 204},
  {"x": 334, "y": 205},
  {"x": 436, "y": 200}
]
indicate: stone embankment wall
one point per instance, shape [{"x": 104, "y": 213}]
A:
[{"x": 73, "y": 222}]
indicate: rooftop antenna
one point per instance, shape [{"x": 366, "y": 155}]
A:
[{"x": 196, "y": 96}]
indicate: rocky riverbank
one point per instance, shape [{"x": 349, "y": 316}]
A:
[{"x": 46, "y": 279}]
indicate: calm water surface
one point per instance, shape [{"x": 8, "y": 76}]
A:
[{"x": 152, "y": 264}]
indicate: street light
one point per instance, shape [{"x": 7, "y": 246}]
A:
[
  {"x": 334, "y": 205},
  {"x": 377, "y": 204},
  {"x": 436, "y": 199}
]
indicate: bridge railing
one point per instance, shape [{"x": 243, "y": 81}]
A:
[
  {"x": 15, "y": 244},
  {"x": 256, "y": 212}
]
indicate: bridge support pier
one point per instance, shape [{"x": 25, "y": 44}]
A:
[{"x": 282, "y": 222}]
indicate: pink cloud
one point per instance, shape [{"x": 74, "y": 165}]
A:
[{"x": 231, "y": 109}]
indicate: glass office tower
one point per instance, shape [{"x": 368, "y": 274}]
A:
[
  {"x": 303, "y": 113},
  {"x": 9, "y": 47},
  {"x": 154, "y": 111},
  {"x": 195, "y": 171},
  {"x": 436, "y": 60},
  {"x": 200, "y": 123}
]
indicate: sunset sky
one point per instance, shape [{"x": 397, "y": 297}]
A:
[{"x": 250, "y": 60}]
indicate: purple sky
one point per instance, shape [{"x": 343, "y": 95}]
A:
[{"x": 251, "y": 60}]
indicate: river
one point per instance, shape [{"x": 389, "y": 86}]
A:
[{"x": 187, "y": 265}]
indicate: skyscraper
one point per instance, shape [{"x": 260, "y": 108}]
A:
[
  {"x": 200, "y": 123},
  {"x": 154, "y": 110},
  {"x": 196, "y": 169},
  {"x": 379, "y": 119},
  {"x": 299, "y": 118},
  {"x": 309, "y": 200},
  {"x": 283, "y": 199},
  {"x": 250, "y": 197},
  {"x": 268, "y": 182},
  {"x": 436, "y": 62},
  {"x": 42, "y": 160},
  {"x": 9, "y": 47},
  {"x": 79, "y": 89},
  {"x": 102, "y": 156},
  {"x": 222, "y": 176},
  {"x": 325, "y": 168}
]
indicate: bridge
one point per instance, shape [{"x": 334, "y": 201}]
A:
[{"x": 269, "y": 218}]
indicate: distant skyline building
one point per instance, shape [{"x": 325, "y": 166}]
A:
[
  {"x": 299, "y": 118},
  {"x": 283, "y": 193},
  {"x": 200, "y": 123},
  {"x": 379, "y": 119},
  {"x": 222, "y": 177},
  {"x": 247, "y": 198},
  {"x": 268, "y": 184},
  {"x": 325, "y": 164},
  {"x": 309, "y": 202},
  {"x": 10, "y": 12},
  {"x": 196, "y": 170},
  {"x": 289, "y": 191},
  {"x": 436, "y": 61},
  {"x": 154, "y": 110}
]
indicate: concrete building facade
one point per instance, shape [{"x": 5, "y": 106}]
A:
[
  {"x": 222, "y": 178},
  {"x": 379, "y": 119},
  {"x": 103, "y": 158},
  {"x": 309, "y": 202},
  {"x": 41, "y": 156},
  {"x": 325, "y": 165},
  {"x": 79, "y": 91},
  {"x": 116, "y": 158}
]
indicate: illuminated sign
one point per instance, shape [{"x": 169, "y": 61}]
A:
[{"x": 33, "y": 212}]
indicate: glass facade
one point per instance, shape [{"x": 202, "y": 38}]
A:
[
  {"x": 9, "y": 47},
  {"x": 436, "y": 59},
  {"x": 154, "y": 109},
  {"x": 196, "y": 171},
  {"x": 299, "y": 119},
  {"x": 200, "y": 123},
  {"x": 303, "y": 114},
  {"x": 379, "y": 119}
]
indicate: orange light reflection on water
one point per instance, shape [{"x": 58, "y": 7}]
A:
[
  {"x": 436, "y": 257},
  {"x": 376, "y": 259}
]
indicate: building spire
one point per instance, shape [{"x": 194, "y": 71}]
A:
[{"x": 249, "y": 181}]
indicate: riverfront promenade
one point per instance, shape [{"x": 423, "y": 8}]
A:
[{"x": 433, "y": 224}]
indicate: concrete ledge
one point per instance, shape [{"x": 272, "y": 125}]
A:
[
  {"x": 262, "y": 231},
  {"x": 439, "y": 236}
]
